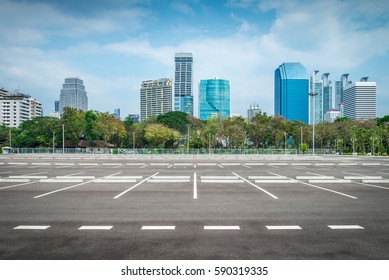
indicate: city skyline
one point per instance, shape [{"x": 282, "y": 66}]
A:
[{"x": 115, "y": 45}]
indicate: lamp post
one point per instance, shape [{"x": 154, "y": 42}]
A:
[
  {"x": 133, "y": 142},
  {"x": 313, "y": 94},
  {"x": 187, "y": 145},
  {"x": 63, "y": 138},
  {"x": 353, "y": 140},
  {"x": 285, "y": 143},
  {"x": 301, "y": 138},
  {"x": 53, "y": 142}
]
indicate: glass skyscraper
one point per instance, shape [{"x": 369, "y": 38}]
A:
[
  {"x": 183, "y": 85},
  {"x": 73, "y": 95},
  {"x": 291, "y": 91},
  {"x": 214, "y": 99}
]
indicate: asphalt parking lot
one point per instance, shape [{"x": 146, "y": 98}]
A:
[{"x": 193, "y": 207}]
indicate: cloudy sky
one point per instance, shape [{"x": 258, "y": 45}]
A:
[{"x": 114, "y": 45}]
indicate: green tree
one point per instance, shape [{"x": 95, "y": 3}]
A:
[
  {"x": 161, "y": 136},
  {"x": 74, "y": 121},
  {"x": 175, "y": 119}
]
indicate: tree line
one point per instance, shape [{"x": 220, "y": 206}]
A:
[{"x": 175, "y": 130}]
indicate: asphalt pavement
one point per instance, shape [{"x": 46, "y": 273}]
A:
[{"x": 193, "y": 207}]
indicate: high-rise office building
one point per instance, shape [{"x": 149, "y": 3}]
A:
[
  {"x": 56, "y": 106},
  {"x": 339, "y": 86},
  {"x": 116, "y": 112},
  {"x": 291, "y": 92},
  {"x": 214, "y": 99},
  {"x": 360, "y": 100},
  {"x": 134, "y": 118},
  {"x": 327, "y": 93},
  {"x": 183, "y": 83},
  {"x": 17, "y": 107},
  {"x": 155, "y": 98},
  {"x": 254, "y": 110},
  {"x": 73, "y": 95}
]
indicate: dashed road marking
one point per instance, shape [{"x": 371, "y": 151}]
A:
[
  {"x": 194, "y": 186},
  {"x": 54, "y": 180},
  {"x": 315, "y": 177},
  {"x": 221, "y": 227},
  {"x": 267, "y": 177},
  {"x": 8, "y": 180},
  {"x": 32, "y": 227},
  {"x": 158, "y": 227},
  {"x": 95, "y": 227},
  {"x": 345, "y": 227},
  {"x": 329, "y": 181},
  {"x": 362, "y": 177},
  {"x": 282, "y": 227}
]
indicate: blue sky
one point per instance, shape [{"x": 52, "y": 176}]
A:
[{"x": 114, "y": 45}]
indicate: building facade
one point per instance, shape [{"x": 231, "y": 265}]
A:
[
  {"x": 116, "y": 112},
  {"x": 183, "y": 83},
  {"x": 291, "y": 92},
  {"x": 16, "y": 108},
  {"x": 155, "y": 98},
  {"x": 327, "y": 94},
  {"x": 73, "y": 95},
  {"x": 360, "y": 100},
  {"x": 134, "y": 117},
  {"x": 254, "y": 110},
  {"x": 214, "y": 99},
  {"x": 332, "y": 115}
]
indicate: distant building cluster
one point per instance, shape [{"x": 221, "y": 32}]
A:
[
  {"x": 298, "y": 96},
  {"x": 16, "y": 107}
]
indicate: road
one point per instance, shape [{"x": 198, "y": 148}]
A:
[{"x": 193, "y": 207}]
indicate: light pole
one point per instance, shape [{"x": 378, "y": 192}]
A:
[
  {"x": 63, "y": 138},
  {"x": 53, "y": 142},
  {"x": 353, "y": 139},
  {"x": 133, "y": 142},
  {"x": 285, "y": 142},
  {"x": 10, "y": 138},
  {"x": 187, "y": 145},
  {"x": 301, "y": 139},
  {"x": 313, "y": 94}
]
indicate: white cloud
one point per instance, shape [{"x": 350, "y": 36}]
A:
[{"x": 182, "y": 7}]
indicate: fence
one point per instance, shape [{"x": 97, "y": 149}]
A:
[{"x": 164, "y": 151}]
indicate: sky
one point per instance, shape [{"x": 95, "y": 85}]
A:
[{"x": 115, "y": 45}]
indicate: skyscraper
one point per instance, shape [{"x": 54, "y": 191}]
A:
[
  {"x": 183, "y": 85},
  {"x": 116, "y": 112},
  {"x": 339, "y": 86},
  {"x": 214, "y": 98},
  {"x": 155, "y": 98},
  {"x": 327, "y": 94},
  {"x": 291, "y": 91},
  {"x": 254, "y": 110},
  {"x": 56, "y": 106},
  {"x": 360, "y": 100},
  {"x": 73, "y": 95}
]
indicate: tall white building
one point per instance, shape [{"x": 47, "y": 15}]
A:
[
  {"x": 254, "y": 110},
  {"x": 16, "y": 108},
  {"x": 360, "y": 100},
  {"x": 155, "y": 98},
  {"x": 183, "y": 83},
  {"x": 73, "y": 95}
]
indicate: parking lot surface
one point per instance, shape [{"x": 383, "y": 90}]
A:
[{"x": 193, "y": 207}]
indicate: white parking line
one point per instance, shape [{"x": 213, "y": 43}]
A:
[
  {"x": 282, "y": 227},
  {"x": 74, "y": 186},
  {"x": 143, "y": 166},
  {"x": 76, "y": 177},
  {"x": 32, "y": 227},
  {"x": 170, "y": 165},
  {"x": 325, "y": 189},
  {"x": 345, "y": 227},
  {"x": 362, "y": 177},
  {"x": 265, "y": 191},
  {"x": 267, "y": 177},
  {"x": 282, "y": 181},
  {"x": 54, "y": 180},
  {"x": 315, "y": 177},
  {"x": 373, "y": 186},
  {"x": 95, "y": 228},
  {"x": 122, "y": 193},
  {"x": 221, "y": 227},
  {"x": 194, "y": 186},
  {"x": 10, "y": 180},
  {"x": 329, "y": 181},
  {"x": 14, "y": 186},
  {"x": 220, "y": 166},
  {"x": 158, "y": 227}
]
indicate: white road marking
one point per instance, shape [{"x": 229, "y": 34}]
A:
[
  {"x": 255, "y": 163},
  {"x": 330, "y": 181},
  {"x": 88, "y": 164},
  {"x": 221, "y": 227},
  {"x": 300, "y": 164},
  {"x": 159, "y": 164},
  {"x": 158, "y": 227},
  {"x": 195, "y": 166},
  {"x": 267, "y": 177},
  {"x": 40, "y": 163},
  {"x": 221, "y": 181},
  {"x": 171, "y": 177},
  {"x": 168, "y": 180},
  {"x": 247, "y": 181},
  {"x": 315, "y": 177},
  {"x": 246, "y": 166},
  {"x": 287, "y": 181},
  {"x": 194, "y": 186},
  {"x": 277, "y": 163},
  {"x": 76, "y": 177},
  {"x": 328, "y": 190},
  {"x": 135, "y": 163},
  {"x": 32, "y": 227},
  {"x": 95, "y": 228},
  {"x": 362, "y": 177},
  {"x": 27, "y": 177},
  {"x": 170, "y": 165},
  {"x": 323, "y": 164},
  {"x": 54, "y": 180},
  {"x": 372, "y": 181},
  {"x": 17, "y": 163},
  {"x": 183, "y": 164},
  {"x": 78, "y": 173},
  {"x": 13, "y": 186},
  {"x": 122, "y": 193},
  {"x": 111, "y": 180},
  {"x": 64, "y": 163},
  {"x": 231, "y": 164},
  {"x": 373, "y": 186},
  {"x": 218, "y": 177},
  {"x": 220, "y": 166},
  {"x": 371, "y": 163},
  {"x": 282, "y": 227},
  {"x": 70, "y": 187},
  {"x": 345, "y": 227},
  {"x": 143, "y": 166},
  {"x": 348, "y": 163},
  {"x": 7, "y": 180},
  {"x": 206, "y": 164}
]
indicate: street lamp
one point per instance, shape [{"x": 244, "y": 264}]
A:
[
  {"x": 313, "y": 94},
  {"x": 285, "y": 142},
  {"x": 53, "y": 142},
  {"x": 301, "y": 139},
  {"x": 353, "y": 139},
  {"x": 133, "y": 142},
  {"x": 187, "y": 145},
  {"x": 63, "y": 138}
]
